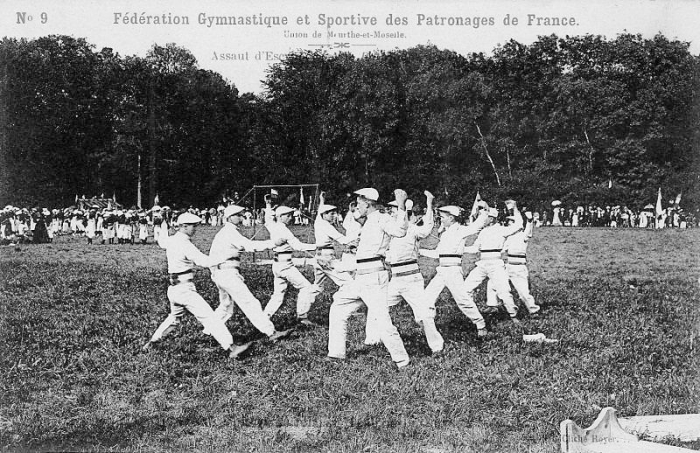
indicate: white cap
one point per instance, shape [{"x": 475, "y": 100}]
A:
[
  {"x": 324, "y": 208},
  {"x": 369, "y": 193},
  {"x": 232, "y": 210},
  {"x": 493, "y": 212},
  {"x": 282, "y": 210},
  {"x": 187, "y": 218},
  {"x": 452, "y": 210}
]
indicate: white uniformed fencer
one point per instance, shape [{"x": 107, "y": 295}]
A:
[
  {"x": 182, "y": 256},
  {"x": 284, "y": 270},
  {"x": 371, "y": 279},
  {"x": 325, "y": 235},
  {"x": 489, "y": 244},
  {"x": 449, "y": 271},
  {"x": 516, "y": 265},
  {"x": 226, "y": 248},
  {"x": 406, "y": 279}
]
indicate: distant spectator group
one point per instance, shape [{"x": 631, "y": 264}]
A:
[
  {"x": 114, "y": 223},
  {"x": 615, "y": 217},
  {"x": 107, "y": 224}
]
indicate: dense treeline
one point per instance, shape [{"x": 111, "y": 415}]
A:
[{"x": 562, "y": 118}]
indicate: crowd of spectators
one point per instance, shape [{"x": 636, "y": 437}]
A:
[
  {"x": 110, "y": 224},
  {"x": 615, "y": 217}
]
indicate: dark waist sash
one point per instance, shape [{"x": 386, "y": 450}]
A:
[
  {"x": 450, "y": 259},
  {"x": 404, "y": 268},
  {"x": 176, "y": 278},
  {"x": 370, "y": 265}
]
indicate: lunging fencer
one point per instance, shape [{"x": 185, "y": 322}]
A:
[
  {"x": 371, "y": 279},
  {"x": 226, "y": 248},
  {"x": 182, "y": 256},
  {"x": 516, "y": 265},
  {"x": 406, "y": 279},
  {"x": 326, "y": 235},
  {"x": 449, "y": 271},
  {"x": 284, "y": 270},
  {"x": 489, "y": 245}
]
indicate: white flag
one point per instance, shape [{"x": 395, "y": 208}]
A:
[
  {"x": 301, "y": 195},
  {"x": 659, "y": 208}
]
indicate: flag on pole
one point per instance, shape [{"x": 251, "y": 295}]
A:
[
  {"x": 475, "y": 206},
  {"x": 659, "y": 207},
  {"x": 609, "y": 183},
  {"x": 156, "y": 200},
  {"x": 76, "y": 198},
  {"x": 301, "y": 195},
  {"x": 114, "y": 197},
  {"x": 678, "y": 200}
]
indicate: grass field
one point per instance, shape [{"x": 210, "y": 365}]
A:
[{"x": 624, "y": 303}]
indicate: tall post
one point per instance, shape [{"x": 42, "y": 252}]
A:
[{"x": 152, "y": 187}]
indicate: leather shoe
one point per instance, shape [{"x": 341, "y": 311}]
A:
[
  {"x": 279, "y": 335},
  {"x": 403, "y": 364},
  {"x": 237, "y": 350},
  {"x": 489, "y": 310}
]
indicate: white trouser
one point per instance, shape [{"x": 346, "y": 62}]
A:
[
  {"x": 452, "y": 278},
  {"x": 324, "y": 269},
  {"x": 370, "y": 289},
  {"x": 233, "y": 291},
  {"x": 518, "y": 275},
  {"x": 184, "y": 296},
  {"x": 495, "y": 271},
  {"x": 410, "y": 288},
  {"x": 283, "y": 273}
]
